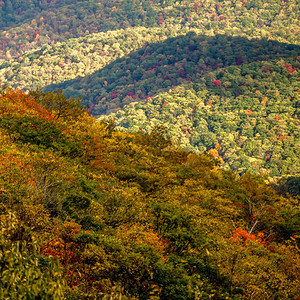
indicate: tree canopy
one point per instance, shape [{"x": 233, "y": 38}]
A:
[{"x": 88, "y": 211}]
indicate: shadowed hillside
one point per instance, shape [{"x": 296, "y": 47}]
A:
[{"x": 160, "y": 66}]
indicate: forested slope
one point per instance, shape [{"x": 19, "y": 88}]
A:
[
  {"x": 131, "y": 206},
  {"x": 238, "y": 95},
  {"x": 224, "y": 75},
  {"x": 246, "y": 113},
  {"x": 29, "y": 24},
  {"x": 91, "y": 212}
]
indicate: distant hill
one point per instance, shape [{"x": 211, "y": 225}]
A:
[
  {"x": 241, "y": 95},
  {"x": 159, "y": 66}
]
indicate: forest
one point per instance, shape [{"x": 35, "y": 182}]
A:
[
  {"x": 91, "y": 212},
  {"x": 149, "y": 149},
  {"x": 222, "y": 77}
]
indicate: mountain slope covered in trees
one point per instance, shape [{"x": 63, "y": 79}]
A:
[
  {"x": 241, "y": 95},
  {"x": 224, "y": 75},
  {"x": 29, "y": 24},
  {"x": 89, "y": 212},
  {"x": 162, "y": 192}
]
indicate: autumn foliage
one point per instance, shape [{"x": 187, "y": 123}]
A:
[
  {"x": 241, "y": 236},
  {"x": 217, "y": 82},
  {"x": 188, "y": 186},
  {"x": 103, "y": 212},
  {"x": 18, "y": 104}
]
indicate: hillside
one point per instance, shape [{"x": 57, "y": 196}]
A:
[
  {"x": 221, "y": 76},
  {"x": 91, "y": 212},
  {"x": 178, "y": 178},
  {"x": 239, "y": 94},
  {"x": 29, "y": 24},
  {"x": 33, "y": 24}
]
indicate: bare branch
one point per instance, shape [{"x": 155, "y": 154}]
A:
[
  {"x": 250, "y": 231},
  {"x": 233, "y": 224}
]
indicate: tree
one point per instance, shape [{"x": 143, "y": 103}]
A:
[
  {"x": 59, "y": 105},
  {"x": 24, "y": 272}
]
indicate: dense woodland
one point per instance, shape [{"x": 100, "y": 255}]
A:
[
  {"x": 149, "y": 149},
  {"x": 29, "y": 24},
  {"x": 90, "y": 212},
  {"x": 221, "y": 76}
]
